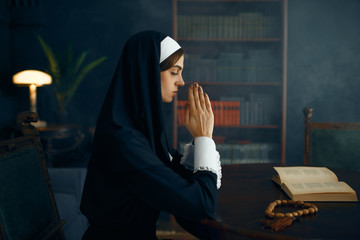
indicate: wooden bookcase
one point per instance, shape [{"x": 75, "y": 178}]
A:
[{"x": 236, "y": 50}]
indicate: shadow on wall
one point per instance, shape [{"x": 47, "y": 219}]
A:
[{"x": 323, "y": 66}]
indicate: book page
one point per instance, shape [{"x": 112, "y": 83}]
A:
[
  {"x": 317, "y": 187},
  {"x": 305, "y": 174}
]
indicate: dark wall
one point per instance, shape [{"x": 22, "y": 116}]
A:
[
  {"x": 323, "y": 66},
  {"x": 6, "y": 102},
  {"x": 102, "y": 28},
  {"x": 87, "y": 25},
  {"x": 323, "y": 57}
]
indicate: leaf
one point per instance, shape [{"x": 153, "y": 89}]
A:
[
  {"x": 54, "y": 69},
  {"x": 80, "y": 61},
  {"x": 83, "y": 72},
  {"x": 67, "y": 74},
  {"x": 61, "y": 100}
]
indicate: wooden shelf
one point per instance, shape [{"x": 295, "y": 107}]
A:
[
  {"x": 236, "y": 40},
  {"x": 246, "y": 126},
  {"x": 229, "y": 39},
  {"x": 260, "y": 126},
  {"x": 238, "y": 83},
  {"x": 229, "y": 0}
]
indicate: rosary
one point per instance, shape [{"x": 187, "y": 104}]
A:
[{"x": 279, "y": 221}]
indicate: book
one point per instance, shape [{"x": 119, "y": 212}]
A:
[{"x": 313, "y": 184}]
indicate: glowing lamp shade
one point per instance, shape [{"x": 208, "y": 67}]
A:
[
  {"x": 33, "y": 79},
  {"x": 29, "y": 77}
]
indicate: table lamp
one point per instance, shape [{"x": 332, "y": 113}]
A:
[{"x": 33, "y": 79}]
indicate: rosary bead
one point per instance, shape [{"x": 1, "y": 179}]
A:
[
  {"x": 291, "y": 202},
  {"x": 314, "y": 207},
  {"x": 272, "y": 205},
  {"x": 300, "y": 212},
  {"x": 270, "y": 208},
  {"x": 305, "y": 209},
  {"x": 311, "y": 210},
  {"x": 267, "y": 211},
  {"x": 307, "y": 205}
]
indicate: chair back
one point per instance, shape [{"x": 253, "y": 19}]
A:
[
  {"x": 27, "y": 205},
  {"x": 331, "y": 144}
]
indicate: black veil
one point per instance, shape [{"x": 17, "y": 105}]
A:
[{"x": 133, "y": 103}]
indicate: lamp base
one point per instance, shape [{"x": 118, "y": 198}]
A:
[{"x": 39, "y": 124}]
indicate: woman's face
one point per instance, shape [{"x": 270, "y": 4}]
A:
[{"x": 171, "y": 80}]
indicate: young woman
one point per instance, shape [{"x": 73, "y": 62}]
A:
[{"x": 133, "y": 174}]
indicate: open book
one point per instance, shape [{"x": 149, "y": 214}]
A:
[{"x": 313, "y": 184}]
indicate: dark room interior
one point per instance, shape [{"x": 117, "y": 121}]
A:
[{"x": 315, "y": 52}]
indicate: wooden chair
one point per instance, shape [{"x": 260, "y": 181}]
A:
[
  {"x": 27, "y": 205},
  {"x": 330, "y": 144}
]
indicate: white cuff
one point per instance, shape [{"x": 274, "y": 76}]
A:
[{"x": 206, "y": 158}]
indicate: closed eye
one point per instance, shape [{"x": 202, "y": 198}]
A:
[{"x": 176, "y": 69}]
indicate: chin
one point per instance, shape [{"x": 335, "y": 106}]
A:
[{"x": 167, "y": 100}]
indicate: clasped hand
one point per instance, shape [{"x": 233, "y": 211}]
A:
[{"x": 199, "y": 117}]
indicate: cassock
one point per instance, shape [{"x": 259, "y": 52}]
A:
[{"x": 131, "y": 177}]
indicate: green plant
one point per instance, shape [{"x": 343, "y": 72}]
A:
[{"x": 67, "y": 72}]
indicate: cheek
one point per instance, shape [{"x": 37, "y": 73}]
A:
[
  {"x": 165, "y": 81},
  {"x": 164, "y": 86},
  {"x": 162, "y": 81}
]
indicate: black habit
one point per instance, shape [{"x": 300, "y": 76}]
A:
[{"x": 130, "y": 176}]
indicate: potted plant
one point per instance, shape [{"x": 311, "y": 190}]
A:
[{"x": 67, "y": 73}]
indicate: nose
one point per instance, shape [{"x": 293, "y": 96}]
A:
[{"x": 180, "y": 82}]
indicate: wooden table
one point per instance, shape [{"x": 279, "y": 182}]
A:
[{"x": 247, "y": 190}]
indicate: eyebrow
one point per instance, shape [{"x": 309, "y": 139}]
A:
[{"x": 177, "y": 66}]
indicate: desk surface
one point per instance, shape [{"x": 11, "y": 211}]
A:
[{"x": 247, "y": 190}]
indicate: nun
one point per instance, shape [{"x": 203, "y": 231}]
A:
[{"x": 133, "y": 174}]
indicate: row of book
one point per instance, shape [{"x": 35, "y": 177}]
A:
[
  {"x": 231, "y": 153},
  {"x": 226, "y": 113},
  {"x": 254, "y": 109},
  {"x": 245, "y": 25},
  {"x": 257, "y": 108},
  {"x": 257, "y": 65}
]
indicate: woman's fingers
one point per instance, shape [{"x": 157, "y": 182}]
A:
[
  {"x": 196, "y": 96},
  {"x": 199, "y": 118},
  {"x": 191, "y": 96},
  {"x": 198, "y": 100},
  {"x": 208, "y": 103},
  {"x": 201, "y": 98}
]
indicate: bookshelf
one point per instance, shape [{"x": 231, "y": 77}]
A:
[{"x": 236, "y": 49}]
